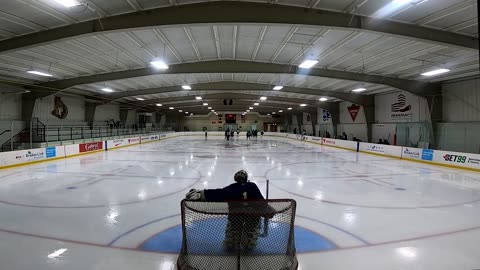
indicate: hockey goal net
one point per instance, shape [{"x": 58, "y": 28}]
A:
[{"x": 238, "y": 235}]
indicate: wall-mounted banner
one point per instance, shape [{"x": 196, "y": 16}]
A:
[
  {"x": 400, "y": 108},
  {"x": 307, "y": 118},
  {"x": 353, "y": 110},
  {"x": 326, "y": 116}
]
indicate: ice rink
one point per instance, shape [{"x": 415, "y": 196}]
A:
[{"x": 98, "y": 211}]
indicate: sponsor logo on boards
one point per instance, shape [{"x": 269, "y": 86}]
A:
[
  {"x": 455, "y": 158},
  {"x": 134, "y": 140},
  {"x": 327, "y": 141},
  {"x": 415, "y": 153},
  {"x": 474, "y": 161},
  {"x": 427, "y": 154},
  {"x": 376, "y": 148},
  {"x": 88, "y": 147},
  {"x": 34, "y": 155},
  {"x": 50, "y": 152}
]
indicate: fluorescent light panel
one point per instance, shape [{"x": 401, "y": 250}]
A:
[
  {"x": 198, "y": 98},
  {"x": 278, "y": 87},
  {"x": 209, "y": 108},
  {"x": 159, "y": 105},
  {"x": 141, "y": 99},
  {"x": 159, "y": 64},
  {"x": 57, "y": 253},
  {"x": 171, "y": 108},
  {"x": 251, "y": 108},
  {"x": 323, "y": 99},
  {"x": 308, "y": 64},
  {"x": 358, "y": 90},
  {"x": 39, "y": 73},
  {"x": 289, "y": 109},
  {"x": 68, "y": 3},
  {"x": 256, "y": 104},
  {"x": 186, "y": 87},
  {"x": 303, "y": 105},
  {"x": 435, "y": 72},
  {"x": 108, "y": 90},
  {"x": 205, "y": 104},
  {"x": 263, "y": 98}
]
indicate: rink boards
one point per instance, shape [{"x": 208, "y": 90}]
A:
[{"x": 436, "y": 157}]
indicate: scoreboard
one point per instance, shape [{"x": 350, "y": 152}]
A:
[{"x": 230, "y": 119}]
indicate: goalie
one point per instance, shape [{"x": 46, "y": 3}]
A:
[{"x": 243, "y": 227}]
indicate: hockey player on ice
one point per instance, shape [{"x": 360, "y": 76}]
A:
[{"x": 240, "y": 228}]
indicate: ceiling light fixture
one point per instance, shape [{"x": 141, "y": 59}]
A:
[
  {"x": 323, "y": 99},
  {"x": 57, "y": 253},
  {"x": 198, "y": 98},
  {"x": 159, "y": 105},
  {"x": 205, "y": 104},
  {"x": 251, "y": 108},
  {"x": 159, "y": 65},
  {"x": 289, "y": 109},
  {"x": 186, "y": 87},
  {"x": 248, "y": 110},
  {"x": 108, "y": 90},
  {"x": 303, "y": 105},
  {"x": 171, "y": 108},
  {"x": 358, "y": 90},
  {"x": 278, "y": 87},
  {"x": 435, "y": 72},
  {"x": 180, "y": 111},
  {"x": 141, "y": 99},
  {"x": 263, "y": 98},
  {"x": 308, "y": 64},
  {"x": 68, "y": 3},
  {"x": 273, "y": 112},
  {"x": 256, "y": 104},
  {"x": 209, "y": 108},
  {"x": 280, "y": 111},
  {"x": 213, "y": 110},
  {"x": 39, "y": 73},
  {"x": 268, "y": 114}
]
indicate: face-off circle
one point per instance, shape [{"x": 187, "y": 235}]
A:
[
  {"x": 371, "y": 187},
  {"x": 125, "y": 185}
]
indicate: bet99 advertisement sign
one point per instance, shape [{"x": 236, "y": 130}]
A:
[{"x": 457, "y": 159}]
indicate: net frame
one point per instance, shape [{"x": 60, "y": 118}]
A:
[{"x": 282, "y": 259}]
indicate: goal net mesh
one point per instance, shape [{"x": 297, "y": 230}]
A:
[{"x": 238, "y": 235}]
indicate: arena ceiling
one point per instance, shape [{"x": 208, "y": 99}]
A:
[{"x": 236, "y": 50}]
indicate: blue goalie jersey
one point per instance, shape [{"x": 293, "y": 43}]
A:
[{"x": 234, "y": 192}]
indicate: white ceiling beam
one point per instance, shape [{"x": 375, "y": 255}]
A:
[
  {"x": 167, "y": 43},
  {"x": 446, "y": 12},
  {"x": 217, "y": 42},
  {"x": 134, "y": 4},
  {"x": 189, "y": 34},
  {"x": 259, "y": 42}
]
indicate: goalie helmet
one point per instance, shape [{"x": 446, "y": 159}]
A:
[{"x": 241, "y": 176}]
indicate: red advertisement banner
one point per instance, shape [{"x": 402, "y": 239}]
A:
[{"x": 88, "y": 147}]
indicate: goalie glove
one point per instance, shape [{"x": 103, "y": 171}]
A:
[{"x": 195, "y": 195}]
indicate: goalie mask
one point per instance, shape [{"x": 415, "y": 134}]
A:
[{"x": 241, "y": 176}]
